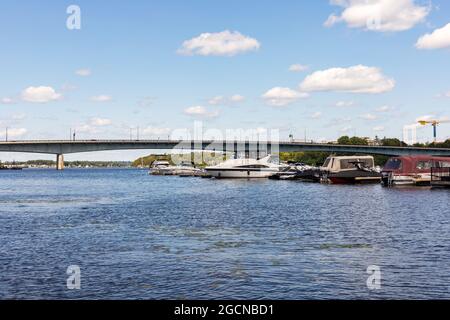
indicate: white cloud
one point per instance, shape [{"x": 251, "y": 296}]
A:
[
  {"x": 216, "y": 100},
  {"x": 332, "y": 20},
  {"x": 346, "y": 129},
  {"x": 85, "y": 128},
  {"x": 316, "y": 115},
  {"x": 225, "y": 100},
  {"x": 40, "y": 94},
  {"x": 18, "y": 116},
  {"x": 68, "y": 87},
  {"x": 83, "y": 72},
  {"x": 342, "y": 104},
  {"x": 383, "y": 109},
  {"x": 16, "y": 132},
  {"x": 200, "y": 111},
  {"x": 156, "y": 131},
  {"x": 298, "y": 67},
  {"x": 100, "y": 122},
  {"x": 379, "y": 15},
  {"x": 356, "y": 79},
  {"x": 223, "y": 43},
  {"x": 6, "y": 100},
  {"x": 378, "y": 128},
  {"x": 279, "y": 96},
  {"x": 237, "y": 98},
  {"x": 438, "y": 39},
  {"x": 101, "y": 98},
  {"x": 369, "y": 117}
]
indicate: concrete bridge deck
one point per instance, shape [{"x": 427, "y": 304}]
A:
[{"x": 61, "y": 147}]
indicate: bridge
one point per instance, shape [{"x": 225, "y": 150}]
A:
[{"x": 61, "y": 147}]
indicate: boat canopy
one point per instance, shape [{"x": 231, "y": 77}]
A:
[
  {"x": 415, "y": 164},
  {"x": 347, "y": 163}
]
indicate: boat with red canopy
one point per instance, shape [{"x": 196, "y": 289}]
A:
[{"x": 412, "y": 170}]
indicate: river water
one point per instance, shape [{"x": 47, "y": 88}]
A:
[{"x": 136, "y": 236}]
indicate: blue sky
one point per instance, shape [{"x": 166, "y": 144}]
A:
[{"x": 124, "y": 68}]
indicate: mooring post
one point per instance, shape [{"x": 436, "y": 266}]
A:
[{"x": 59, "y": 162}]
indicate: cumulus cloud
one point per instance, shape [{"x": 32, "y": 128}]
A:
[
  {"x": 438, "y": 39},
  {"x": 200, "y": 111},
  {"x": 86, "y": 128},
  {"x": 216, "y": 100},
  {"x": 356, "y": 79},
  {"x": 379, "y": 15},
  {"x": 346, "y": 129},
  {"x": 100, "y": 122},
  {"x": 225, "y": 100},
  {"x": 83, "y": 72},
  {"x": 369, "y": 117},
  {"x": 7, "y": 100},
  {"x": 280, "y": 97},
  {"x": 342, "y": 104},
  {"x": 316, "y": 115},
  {"x": 16, "y": 132},
  {"x": 237, "y": 98},
  {"x": 298, "y": 67},
  {"x": 18, "y": 116},
  {"x": 40, "y": 94},
  {"x": 225, "y": 43},
  {"x": 101, "y": 98},
  {"x": 156, "y": 131},
  {"x": 383, "y": 109}
]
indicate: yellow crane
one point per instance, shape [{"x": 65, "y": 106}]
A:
[{"x": 434, "y": 123}]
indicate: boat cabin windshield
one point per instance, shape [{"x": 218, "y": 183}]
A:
[
  {"x": 186, "y": 164},
  {"x": 351, "y": 163},
  {"x": 253, "y": 166},
  {"x": 327, "y": 162},
  {"x": 442, "y": 164},
  {"x": 424, "y": 165},
  {"x": 393, "y": 164}
]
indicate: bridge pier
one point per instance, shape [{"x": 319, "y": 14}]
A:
[{"x": 59, "y": 162}]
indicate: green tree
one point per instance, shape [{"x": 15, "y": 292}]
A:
[
  {"x": 358, "y": 141},
  {"x": 344, "y": 140},
  {"x": 392, "y": 142}
]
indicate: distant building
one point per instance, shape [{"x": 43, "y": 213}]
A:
[{"x": 373, "y": 142}]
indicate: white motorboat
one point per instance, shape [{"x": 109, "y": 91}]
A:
[
  {"x": 164, "y": 168},
  {"x": 187, "y": 170},
  {"x": 161, "y": 168},
  {"x": 245, "y": 168}
]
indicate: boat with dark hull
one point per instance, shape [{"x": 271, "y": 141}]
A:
[
  {"x": 298, "y": 171},
  {"x": 350, "y": 170}
]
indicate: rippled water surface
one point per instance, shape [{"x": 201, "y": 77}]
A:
[{"x": 148, "y": 237}]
